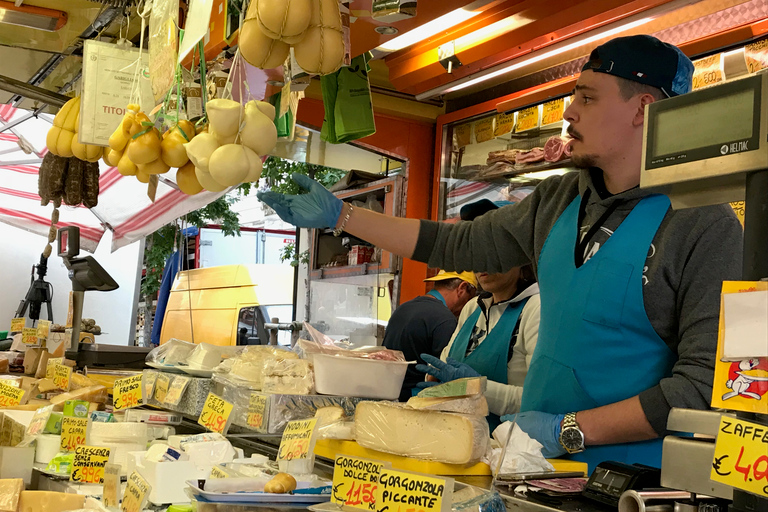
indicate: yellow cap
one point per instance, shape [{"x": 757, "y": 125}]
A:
[{"x": 469, "y": 277}]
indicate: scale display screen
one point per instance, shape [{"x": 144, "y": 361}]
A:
[{"x": 709, "y": 123}]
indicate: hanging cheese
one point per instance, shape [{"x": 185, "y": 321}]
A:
[
  {"x": 142, "y": 176},
  {"x": 200, "y": 148},
  {"x": 172, "y": 145},
  {"x": 259, "y": 132},
  {"x": 122, "y": 133},
  {"x": 145, "y": 147},
  {"x": 59, "y": 141},
  {"x": 229, "y": 165},
  {"x": 113, "y": 157},
  {"x": 224, "y": 116},
  {"x": 321, "y": 51},
  {"x": 230, "y": 139},
  {"x": 187, "y": 180},
  {"x": 258, "y": 49},
  {"x": 154, "y": 167},
  {"x": 125, "y": 166},
  {"x": 87, "y": 152},
  {"x": 207, "y": 182},
  {"x": 286, "y": 20},
  {"x": 254, "y": 165},
  {"x": 68, "y": 115}
]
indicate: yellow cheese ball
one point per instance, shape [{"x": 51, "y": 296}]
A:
[
  {"x": 321, "y": 51},
  {"x": 258, "y": 49},
  {"x": 186, "y": 179},
  {"x": 154, "y": 167},
  {"x": 207, "y": 182},
  {"x": 282, "y": 19}
]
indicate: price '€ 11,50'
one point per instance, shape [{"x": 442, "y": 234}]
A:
[{"x": 741, "y": 455}]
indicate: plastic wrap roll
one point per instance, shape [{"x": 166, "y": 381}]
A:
[{"x": 47, "y": 447}]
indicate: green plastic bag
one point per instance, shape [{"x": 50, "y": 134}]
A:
[{"x": 347, "y": 102}]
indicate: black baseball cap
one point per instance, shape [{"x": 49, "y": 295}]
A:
[{"x": 646, "y": 60}]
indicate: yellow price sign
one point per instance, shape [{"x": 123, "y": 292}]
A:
[
  {"x": 72, "y": 432},
  {"x": 217, "y": 472},
  {"x": 17, "y": 324},
  {"x": 43, "y": 326},
  {"x": 135, "y": 495},
  {"x": 61, "y": 376},
  {"x": 355, "y": 482},
  {"x": 463, "y": 134},
  {"x": 421, "y": 493},
  {"x": 756, "y": 55},
  {"x": 215, "y": 415},
  {"x": 527, "y": 119},
  {"x": 484, "y": 130},
  {"x": 297, "y": 439},
  {"x": 708, "y": 71},
  {"x": 127, "y": 393},
  {"x": 161, "y": 387},
  {"x": 51, "y": 365},
  {"x": 10, "y": 395},
  {"x": 552, "y": 111},
  {"x": 504, "y": 124},
  {"x": 257, "y": 406},
  {"x": 29, "y": 336},
  {"x": 111, "y": 489},
  {"x": 88, "y": 464},
  {"x": 741, "y": 455}
]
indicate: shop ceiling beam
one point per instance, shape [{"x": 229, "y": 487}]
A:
[{"x": 31, "y": 91}]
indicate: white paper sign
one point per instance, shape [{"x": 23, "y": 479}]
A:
[
  {"x": 108, "y": 77},
  {"x": 746, "y": 325},
  {"x": 196, "y": 27}
]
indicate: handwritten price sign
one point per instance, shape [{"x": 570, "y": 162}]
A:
[
  {"x": 297, "y": 438},
  {"x": 10, "y": 395},
  {"x": 72, "y": 432},
  {"x": 217, "y": 472},
  {"x": 355, "y": 482},
  {"x": 17, "y": 324},
  {"x": 405, "y": 491},
  {"x": 127, "y": 393},
  {"x": 161, "y": 387},
  {"x": 527, "y": 119},
  {"x": 61, "y": 376},
  {"x": 43, "y": 326},
  {"x": 552, "y": 111},
  {"x": 88, "y": 464},
  {"x": 707, "y": 71},
  {"x": 50, "y": 366},
  {"x": 136, "y": 491},
  {"x": 29, "y": 336},
  {"x": 484, "y": 130},
  {"x": 111, "y": 490},
  {"x": 504, "y": 124},
  {"x": 741, "y": 456},
  {"x": 257, "y": 406},
  {"x": 215, "y": 415}
]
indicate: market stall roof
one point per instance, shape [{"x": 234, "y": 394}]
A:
[{"x": 124, "y": 207}]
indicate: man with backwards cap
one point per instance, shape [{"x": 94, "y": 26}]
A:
[
  {"x": 630, "y": 289},
  {"x": 424, "y": 325}
]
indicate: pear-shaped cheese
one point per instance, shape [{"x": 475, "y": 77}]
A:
[
  {"x": 258, "y": 49},
  {"x": 145, "y": 148},
  {"x": 207, "y": 182},
  {"x": 282, "y": 19},
  {"x": 254, "y": 165},
  {"x": 230, "y": 139},
  {"x": 267, "y": 109},
  {"x": 122, "y": 133},
  {"x": 224, "y": 116},
  {"x": 172, "y": 146},
  {"x": 187, "y": 180},
  {"x": 105, "y": 155},
  {"x": 125, "y": 166},
  {"x": 229, "y": 165},
  {"x": 154, "y": 167},
  {"x": 200, "y": 148},
  {"x": 259, "y": 131},
  {"x": 142, "y": 176},
  {"x": 113, "y": 157}
]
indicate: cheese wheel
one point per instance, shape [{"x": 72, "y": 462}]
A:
[
  {"x": 286, "y": 20},
  {"x": 187, "y": 180},
  {"x": 208, "y": 183},
  {"x": 258, "y": 49},
  {"x": 229, "y": 164}
]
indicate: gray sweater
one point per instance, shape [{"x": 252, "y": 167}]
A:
[{"x": 692, "y": 253}]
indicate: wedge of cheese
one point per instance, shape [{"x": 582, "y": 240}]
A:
[
  {"x": 327, "y": 415},
  {"x": 49, "y": 501},
  {"x": 429, "y": 435},
  {"x": 96, "y": 393},
  {"x": 476, "y": 404},
  {"x": 459, "y": 387},
  {"x": 10, "y": 490}
]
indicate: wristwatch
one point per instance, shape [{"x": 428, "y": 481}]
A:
[{"x": 571, "y": 436}]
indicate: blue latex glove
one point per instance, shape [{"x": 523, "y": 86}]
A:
[
  {"x": 319, "y": 208},
  {"x": 427, "y": 384},
  {"x": 543, "y": 427},
  {"x": 445, "y": 371}
]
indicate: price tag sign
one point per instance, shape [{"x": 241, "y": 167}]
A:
[
  {"x": 297, "y": 438},
  {"x": 552, "y": 112},
  {"x": 756, "y": 55},
  {"x": 707, "y": 71},
  {"x": 149, "y": 384},
  {"x": 504, "y": 124},
  {"x": 72, "y": 432},
  {"x": 29, "y": 336},
  {"x": 17, "y": 324},
  {"x": 176, "y": 390},
  {"x": 741, "y": 456},
  {"x": 127, "y": 393},
  {"x": 43, "y": 326},
  {"x": 421, "y": 493},
  {"x": 36, "y": 425},
  {"x": 527, "y": 119},
  {"x": 215, "y": 415},
  {"x": 89, "y": 464},
  {"x": 135, "y": 495},
  {"x": 10, "y": 395},
  {"x": 51, "y": 365},
  {"x": 61, "y": 376},
  {"x": 484, "y": 130},
  {"x": 463, "y": 135},
  {"x": 217, "y": 472},
  {"x": 257, "y": 406},
  {"x": 161, "y": 387},
  {"x": 111, "y": 493},
  {"x": 355, "y": 482}
]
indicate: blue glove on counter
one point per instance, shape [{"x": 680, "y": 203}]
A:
[
  {"x": 543, "y": 427},
  {"x": 427, "y": 384},
  {"x": 445, "y": 371},
  {"x": 317, "y": 209}
]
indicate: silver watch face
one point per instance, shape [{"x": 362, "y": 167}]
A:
[{"x": 572, "y": 439}]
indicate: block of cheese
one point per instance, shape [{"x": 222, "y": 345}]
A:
[
  {"x": 96, "y": 393},
  {"x": 42, "y": 365},
  {"x": 429, "y": 435},
  {"x": 10, "y": 490},
  {"x": 474, "y": 404},
  {"x": 31, "y": 360},
  {"x": 46, "y": 385},
  {"x": 78, "y": 381},
  {"x": 288, "y": 377},
  {"x": 49, "y": 501},
  {"x": 4, "y": 364},
  {"x": 328, "y": 415},
  {"x": 459, "y": 387}
]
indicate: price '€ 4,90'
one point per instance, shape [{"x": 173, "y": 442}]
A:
[
  {"x": 215, "y": 413},
  {"x": 297, "y": 438},
  {"x": 741, "y": 455}
]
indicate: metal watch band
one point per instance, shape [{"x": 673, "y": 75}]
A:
[
  {"x": 570, "y": 430},
  {"x": 570, "y": 421},
  {"x": 338, "y": 231}
]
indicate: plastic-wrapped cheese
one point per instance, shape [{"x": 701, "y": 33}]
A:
[
  {"x": 258, "y": 49},
  {"x": 429, "y": 435},
  {"x": 322, "y": 50},
  {"x": 286, "y": 20}
]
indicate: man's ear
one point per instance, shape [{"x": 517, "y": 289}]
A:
[{"x": 645, "y": 99}]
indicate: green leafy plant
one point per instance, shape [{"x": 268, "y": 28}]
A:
[
  {"x": 289, "y": 252},
  {"x": 278, "y": 171}
]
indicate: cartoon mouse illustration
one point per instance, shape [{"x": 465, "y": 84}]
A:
[{"x": 740, "y": 384}]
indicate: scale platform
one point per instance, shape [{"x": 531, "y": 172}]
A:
[{"x": 109, "y": 356}]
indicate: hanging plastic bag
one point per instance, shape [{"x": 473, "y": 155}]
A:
[{"x": 347, "y": 101}]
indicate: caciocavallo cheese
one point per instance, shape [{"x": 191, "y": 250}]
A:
[{"x": 430, "y": 435}]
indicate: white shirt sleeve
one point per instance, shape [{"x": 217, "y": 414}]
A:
[{"x": 506, "y": 398}]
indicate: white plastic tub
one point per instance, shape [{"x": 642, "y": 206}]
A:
[{"x": 364, "y": 378}]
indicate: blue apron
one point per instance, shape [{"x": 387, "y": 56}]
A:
[
  {"x": 596, "y": 345},
  {"x": 490, "y": 357},
  {"x": 436, "y": 294}
]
